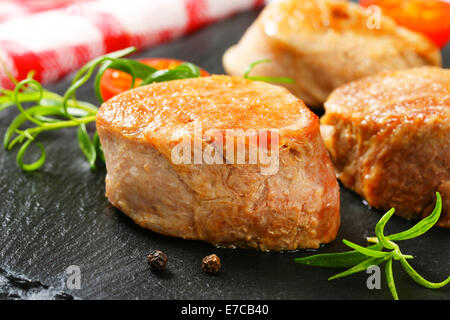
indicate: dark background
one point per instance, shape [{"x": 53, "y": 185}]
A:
[{"x": 58, "y": 217}]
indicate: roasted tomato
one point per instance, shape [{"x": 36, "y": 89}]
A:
[
  {"x": 114, "y": 82},
  {"x": 430, "y": 17}
]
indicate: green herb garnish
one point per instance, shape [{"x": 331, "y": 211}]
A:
[
  {"x": 50, "y": 111},
  {"x": 384, "y": 250},
  {"x": 265, "y": 79}
]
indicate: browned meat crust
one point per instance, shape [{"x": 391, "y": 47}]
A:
[
  {"x": 323, "y": 44},
  {"x": 389, "y": 139},
  {"x": 225, "y": 204}
]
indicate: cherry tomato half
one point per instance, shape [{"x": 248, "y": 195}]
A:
[
  {"x": 430, "y": 17},
  {"x": 114, "y": 82}
]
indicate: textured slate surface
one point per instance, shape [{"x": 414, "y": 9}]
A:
[{"x": 59, "y": 217}]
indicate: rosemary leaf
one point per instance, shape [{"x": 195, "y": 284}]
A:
[
  {"x": 390, "y": 279},
  {"x": 373, "y": 255},
  {"x": 366, "y": 251},
  {"x": 32, "y": 166},
  {"x": 336, "y": 260},
  {"x": 422, "y": 226},
  {"x": 140, "y": 70},
  {"x": 379, "y": 229},
  {"x": 86, "y": 72},
  {"x": 86, "y": 145},
  {"x": 419, "y": 279},
  {"x": 122, "y": 64},
  {"x": 183, "y": 71},
  {"x": 361, "y": 267},
  {"x": 18, "y": 102},
  {"x": 98, "y": 147}
]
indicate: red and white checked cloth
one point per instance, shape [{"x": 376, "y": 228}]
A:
[{"x": 54, "y": 38}]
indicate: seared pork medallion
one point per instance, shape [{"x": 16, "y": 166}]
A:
[
  {"x": 325, "y": 43},
  {"x": 151, "y": 137},
  {"x": 389, "y": 139}
]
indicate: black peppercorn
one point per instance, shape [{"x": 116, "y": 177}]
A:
[
  {"x": 157, "y": 260},
  {"x": 211, "y": 264}
]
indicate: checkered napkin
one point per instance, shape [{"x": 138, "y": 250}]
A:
[{"x": 56, "y": 37}]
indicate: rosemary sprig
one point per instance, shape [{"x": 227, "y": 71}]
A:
[
  {"x": 265, "y": 79},
  {"x": 385, "y": 250},
  {"x": 50, "y": 111}
]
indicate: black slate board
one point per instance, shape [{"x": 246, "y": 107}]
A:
[{"x": 59, "y": 217}]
